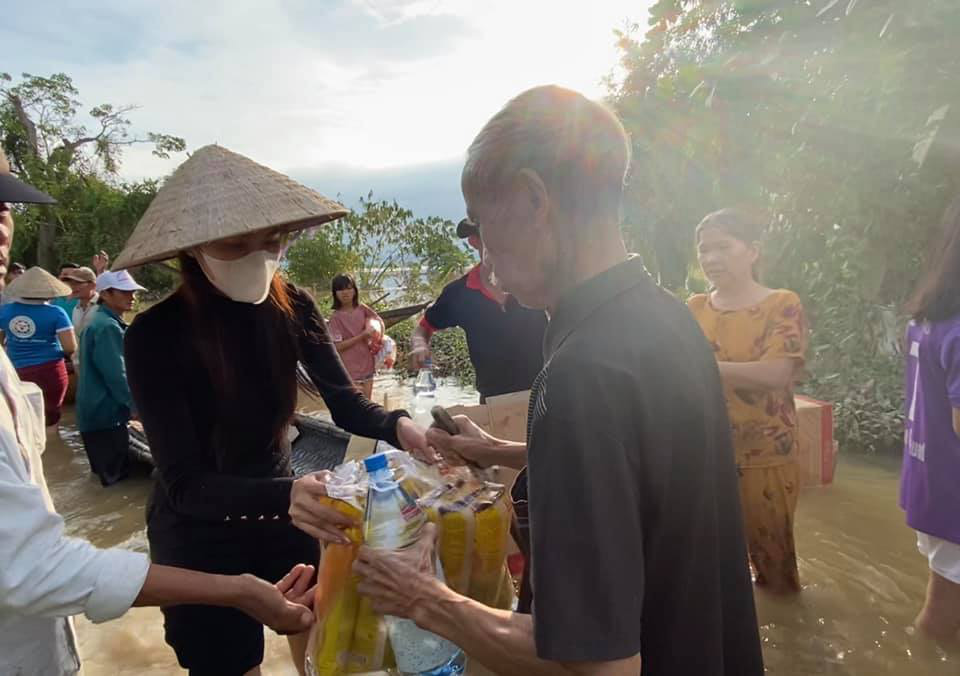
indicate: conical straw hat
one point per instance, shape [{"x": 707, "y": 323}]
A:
[
  {"x": 216, "y": 194},
  {"x": 37, "y": 283}
]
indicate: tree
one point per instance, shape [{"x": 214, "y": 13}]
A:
[
  {"x": 385, "y": 247},
  {"x": 837, "y": 119},
  {"x": 49, "y": 147}
]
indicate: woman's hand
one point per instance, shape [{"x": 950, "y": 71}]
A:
[
  {"x": 398, "y": 581},
  {"x": 413, "y": 439},
  {"x": 270, "y": 605},
  {"x": 313, "y": 517}
]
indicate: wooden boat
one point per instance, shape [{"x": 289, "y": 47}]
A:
[
  {"x": 316, "y": 444},
  {"x": 397, "y": 315}
]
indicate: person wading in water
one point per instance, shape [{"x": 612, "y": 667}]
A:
[
  {"x": 636, "y": 539},
  {"x": 214, "y": 371},
  {"x": 46, "y": 577}
]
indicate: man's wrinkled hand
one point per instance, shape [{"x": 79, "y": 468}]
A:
[
  {"x": 399, "y": 582},
  {"x": 470, "y": 446}
]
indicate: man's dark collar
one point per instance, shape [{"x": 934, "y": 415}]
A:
[{"x": 577, "y": 304}]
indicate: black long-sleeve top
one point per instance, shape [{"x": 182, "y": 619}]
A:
[{"x": 200, "y": 487}]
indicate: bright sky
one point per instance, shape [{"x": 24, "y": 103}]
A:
[{"x": 300, "y": 84}]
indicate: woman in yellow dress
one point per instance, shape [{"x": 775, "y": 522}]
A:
[{"x": 759, "y": 336}]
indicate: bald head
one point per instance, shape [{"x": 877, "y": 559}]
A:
[
  {"x": 576, "y": 146},
  {"x": 543, "y": 181}
]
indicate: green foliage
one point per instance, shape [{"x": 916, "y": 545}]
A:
[
  {"x": 451, "y": 358},
  {"x": 385, "y": 247},
  {"x": 51, "y": 148},
  {"x": 837, "y": 121}
]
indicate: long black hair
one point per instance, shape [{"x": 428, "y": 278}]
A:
[
  {"x": 937, "y": 296},
  {"x": 341, "y": 282},
  {"x": 227, "y": 359}
]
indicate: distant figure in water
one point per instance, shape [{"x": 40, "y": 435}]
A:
[
  {"x": 357, "y": 332},
  {"x": 759, "y": 337},
  {"x": 504, "y": 338},
  {"x": 104, "y": 402},
  {"x": 39, "y": 337},
  {"x": 930, "y": 483}
]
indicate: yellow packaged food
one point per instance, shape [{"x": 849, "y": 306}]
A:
[
  {"x": 347, "y": 637},
  {"x": 492, "y": 530},
  {"x": 473, "y": 520}
]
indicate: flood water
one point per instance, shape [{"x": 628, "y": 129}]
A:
[{"x": 863, "y": 578}]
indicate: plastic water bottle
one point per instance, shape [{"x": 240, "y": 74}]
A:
[
  {"x": 393, "y": 520},
  {"x": 425, "y": 384},
  {"x": 425, "y": 394}
]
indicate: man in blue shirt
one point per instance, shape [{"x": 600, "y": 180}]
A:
[{"x": 104, "y": 402}]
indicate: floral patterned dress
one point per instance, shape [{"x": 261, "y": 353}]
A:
[
  {"x": 763, "y": 422},
  {"x": 763, "y": 425}
]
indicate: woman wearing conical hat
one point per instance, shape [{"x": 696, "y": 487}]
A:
[
  {"x": 38, "y": 336},
  {"x": 214, "y": 374}
]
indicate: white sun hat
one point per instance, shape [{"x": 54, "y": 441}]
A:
[{"x": 121, "y": 280}]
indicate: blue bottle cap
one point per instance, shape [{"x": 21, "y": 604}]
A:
[{"x": 375, "y": 463}]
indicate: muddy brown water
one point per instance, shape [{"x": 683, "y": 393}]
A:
[{"x": 863, "y": 578}]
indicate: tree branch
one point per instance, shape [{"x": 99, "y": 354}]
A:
[{"x": 24, "y": 119}]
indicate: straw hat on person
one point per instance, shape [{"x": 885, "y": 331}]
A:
[
  {"x": 37, "y": 283},
  {"x": 218, "y": 194}
]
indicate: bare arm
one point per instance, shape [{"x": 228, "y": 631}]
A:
[
  {"x": 475, "y": 445},
  {"x": 956, "y": 421},
  {"x": 344, "y": 345},
  {"x": 771, "y": 374},
  {"x": 280, "y": 606},
  {"x": 501, "y": 640},
  {"x": 419, "y": 346},
  {"x": 68, "y": 341}
]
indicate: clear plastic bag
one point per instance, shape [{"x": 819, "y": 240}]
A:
[{"x": 473, "y": 519}]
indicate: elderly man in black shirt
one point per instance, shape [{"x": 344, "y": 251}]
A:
[{"x": 638, "y": 561}]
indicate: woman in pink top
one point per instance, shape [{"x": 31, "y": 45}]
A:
[{"x": 356, "y": 331}]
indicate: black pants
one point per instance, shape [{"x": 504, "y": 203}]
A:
[{"x": 109, "y": 453}]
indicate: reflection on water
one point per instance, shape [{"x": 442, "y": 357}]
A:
[{"x": 863, "y": 578}]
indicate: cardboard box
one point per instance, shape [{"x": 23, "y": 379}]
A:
[
  {"x": 503, "y": 416},
  {"x": 818, "y": 451}
]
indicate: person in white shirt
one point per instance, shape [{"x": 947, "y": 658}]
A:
[
  {"x": 83, "y": 282},
  {"x": 45, "y": 576}
]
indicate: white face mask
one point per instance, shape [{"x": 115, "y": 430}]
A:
[{"x": 246, "y": 279}]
